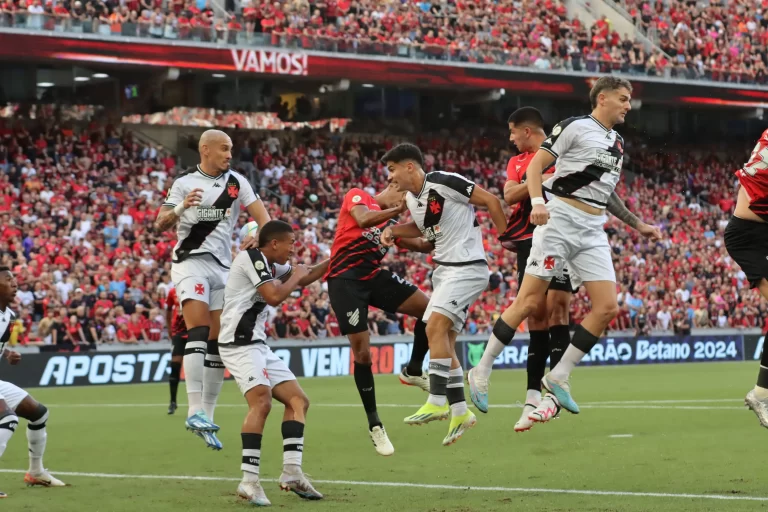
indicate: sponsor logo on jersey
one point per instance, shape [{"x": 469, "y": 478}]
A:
[
  {"x": 356, "y": 199},
  {"x": 232, "y": 190},
  {"x": 433, "y": 233},
  {"x": 216, "y": 185},
  {"x": 209, "y": 213},
  {"x": 373, "y": 234},
  {"x": 607, "y": 161}
]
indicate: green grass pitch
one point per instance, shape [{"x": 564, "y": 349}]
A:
[{"x": 647, "y": 439}]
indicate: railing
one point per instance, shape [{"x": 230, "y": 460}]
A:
[{"x": 221, "y": 34}]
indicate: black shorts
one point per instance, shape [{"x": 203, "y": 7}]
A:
[
  {"x": 523, "y": 252},
  {"x": 747, "y": 243},
  {"x": 179, "y": 341},
  {"x": 350, "y": 298}
]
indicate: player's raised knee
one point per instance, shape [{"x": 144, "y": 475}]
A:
[{"x": 606, "y": 312}]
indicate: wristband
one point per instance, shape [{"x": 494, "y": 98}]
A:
[
  {"x": 538, "y": 200},
  {"x": 179, "y": 209}
]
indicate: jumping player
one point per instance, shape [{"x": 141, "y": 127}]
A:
[
  {"x": 15, "y": 402},
  {"x": 261, "y": 277},
  {"x": 746, "y": 239},
  {"x": 441, "y": 204},
  {"x": 356, "y": 281},
  {"x": 548, "y": 324},
  {"x": 206, "y": 203},
  {"x": 178, "y": 333},
  {"x": 589, "y": 156}
]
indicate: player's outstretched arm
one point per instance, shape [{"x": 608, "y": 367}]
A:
[
  {"x": 416, "y": 244},
  {"x": 315, "y": 273},
  {"x": 617, "y": 207},
  {"x": 274, "y": 292},
  {"x": 515, "y": 192},
  {"x": 409, "y": 230},
  {"x": 481, "y": 197},
  {"x": 259, "y": 212},
  {"x": 170, "y": 212},
  {"x": 541, "y": 160},
  {"x": 366, "y": 218}
]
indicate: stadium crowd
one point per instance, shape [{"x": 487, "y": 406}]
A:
[
  {"x": 77, "y": 207},
  {"x": 713, "y": 42}
]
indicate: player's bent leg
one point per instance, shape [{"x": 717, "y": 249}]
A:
[
  {"x": 36, "y": 415},
  {"x": 558, "y": 310},
  {"x": 605, "y": 307},
  {"x": 8, "y": 423},
  {"x": 413, "y": 374},
  {"x": 198, "y": 321},
  {"x": 757, "y": 398},
  {"x": 213, "y": 368},
  {"x": 296, "y": 404},
  {"x": 532, "y": 294},
  {"x": 259, "y": 400},
  {"x": 179, "y": 342},
  {"x": 462, "y": 419}
]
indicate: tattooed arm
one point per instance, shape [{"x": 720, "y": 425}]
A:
[{"x": 617, "y": 207}]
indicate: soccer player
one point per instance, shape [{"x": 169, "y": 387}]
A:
[
  {"x": 589, "y": 156},
  {"x": 178, "y": 332},
  {"x": 441, "y": 204},
  {"x": 261, "y": 277},
  {"x": 746, "y": 239},
  {"x": 356, "y": 281},
  {"x": 206, "y": 203},
  {"x": 15, "y": 402},
  {"x": 548, "y": 323}
]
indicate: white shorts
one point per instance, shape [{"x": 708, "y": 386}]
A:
[
  {"x": 200, "y": 278},
  {"x": 571, "y": 238},
  {"x": 12, "y": 394},
  {"x": 254, "y": 365},
  {"x": 454, "y": 290}
]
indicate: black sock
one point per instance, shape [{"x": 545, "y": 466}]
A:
[
  {"x": 367, "y": 390},
  {"x": 762, "y": 377},
  {"x": 420, "y": 349},
  {"x": 173, "y": 380},
  {"x": 583, "y": 339},
  {"x": 538, "y": 351},
  {"x": 559, "y": 338}
]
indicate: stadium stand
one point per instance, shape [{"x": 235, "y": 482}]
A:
[{"x": 77, "y": 206}]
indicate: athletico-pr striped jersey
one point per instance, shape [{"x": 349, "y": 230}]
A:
[
  {"x": 589, "y": 159},
  {"x": 442, "y": 212},
  {"x": 244, "y": 318},
  {"x": 207, "y": 229}
]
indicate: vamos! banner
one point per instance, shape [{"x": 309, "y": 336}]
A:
[{"x": 626, "y": 350}]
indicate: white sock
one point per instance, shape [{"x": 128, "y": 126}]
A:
[
  {"x": 8, "y": 426},
  {"x": 571, "y": 358},
  {"x": 37, "y": 436},
  {"x": 533, "y": 396},
  {"x": 213, "y": 379},
  {"x": 459, "y": 408},
  {"x": 439, "y": 370},
  {"x": 194, "y": 360},
  {"x": 492, "y": 350}
]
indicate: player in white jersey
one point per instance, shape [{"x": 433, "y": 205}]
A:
[
  {"x": 15, "y": 402},
  {"x": 589, "y": 156},
  {"x": 206, "y": 204},
  {"x": 261, "y": 277},
  {"x": 441, "y": 204}
]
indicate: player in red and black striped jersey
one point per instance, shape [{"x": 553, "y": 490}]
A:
[
  {"x": 177, "y": 329},
  {"x": 548, "y": 326},
  {"x": 356, "y": 281},
  {"x": 746, "y": 239}
]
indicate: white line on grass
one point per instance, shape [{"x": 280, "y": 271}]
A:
[
  {"x": 526, "y": 490},
  {"x": 620, "y": 436},
  {"x": 595, "y": 405}
]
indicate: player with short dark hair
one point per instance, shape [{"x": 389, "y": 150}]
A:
[
  {"x": 442, "y": 207},
  {"x": 548, "y": 324},
  {"x": 15, "y": 402},
  {"x": 205, "y": 203},
  {"x": 589, "y": 155},
  {"x": 746, "y": 240},
  {"x": 357, "y": 281},
  {"x": 261, "y": 277},
  {"x": 177, "y": 330}
]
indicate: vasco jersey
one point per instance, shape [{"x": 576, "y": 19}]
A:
[
  {"x": 207, "y": 229},
  {"x": 356, "y": 253},
  {"x": 519, "y": 226},
  {"x": 244, "y": 318},
  {"x": 7, "y": 318},
  {"x": 589, "y": 158},
  {"x": 754, "y": 177},
  {"x": 442, "y": 212}
]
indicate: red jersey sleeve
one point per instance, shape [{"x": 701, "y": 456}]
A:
[
  {"x": 356, "y": 197},
  {"x": 511, "y": 171}
]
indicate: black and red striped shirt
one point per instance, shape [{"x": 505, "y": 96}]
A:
[
  {"x": 519, "y": 226},
  {"x": 754, "y": 177},
  {"x": 177, "y": 327},
  {"x": 356, "y": 253}
]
